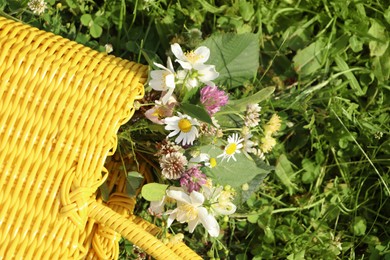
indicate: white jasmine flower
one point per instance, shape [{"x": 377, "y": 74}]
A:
[
  {"x": 157, "y": 207},
  {"x": 192, "y": 59},
  {"x": 234, "y": 145},
  {"x": 190, "y": 209},
  {"x": 191, "y": 79},
  {"x": 163, "y": 80},
  {"x": 184, "y": 126}
]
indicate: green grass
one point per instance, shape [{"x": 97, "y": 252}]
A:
[{"x": 328, "y": 197}]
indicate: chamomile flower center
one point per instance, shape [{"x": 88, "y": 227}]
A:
[
  {"x": 213, "y": 162},
  {"x": 185, "y": 125},
  {"x": 231, "y": 148}
]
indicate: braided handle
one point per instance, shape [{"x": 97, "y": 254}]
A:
[{"x": 131, "y": 231}]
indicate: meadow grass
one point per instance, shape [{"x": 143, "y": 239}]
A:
[{"x": 328, "y": 197}]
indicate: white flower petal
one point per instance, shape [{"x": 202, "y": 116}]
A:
[
  {"x": 208, "y": 221},
  {"x": 197, "y": 198},
  {"x": 204, "y": 53},
  {"x": 192, "y": 225},
  {"x": 225, "y": 208},
  {"x": 185, "y": 65},
  {"x": 157, "y": 206},
  {"x": 167, "y": 96},
  {"x": 171, "y": 218},
  {"x": 177, "y": 51},
  {"x": 179, "y": 195}
]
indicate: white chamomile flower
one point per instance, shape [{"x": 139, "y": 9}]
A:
[
  {"x": 184, "y": 126},
  {"x": 192, "y": 59},
  {"x": 234, "y": 145},
  {"x": 163, "y": 80}
]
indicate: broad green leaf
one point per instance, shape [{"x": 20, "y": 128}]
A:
[
  {"x": 236, "y": 57},
  {"x": 311, "y": 171},
  {"x": 268, "y": 235},
  {"x": 252, "y": 218},
  {"x": 95, "y": 30},
  {"x": 359, "y": 226},
  {"x": 233, "y": 173},
  {"x": 211, "y": 8},
  {"x": 229, "y": 119},
  {"x": 356, "y": 43},
  {"x": 387, "y": 15},
  {"x": 100, "y": 20},
  {"x": 285, "y": 173},
  {"x": 133, "y": 182},
  {"x": 192, "y": 96},
  {"x": 253, "y": 186},
  {"x": 86, "y": 19},
  {"x": 343, "y": 66},
  {"x": 381, "y": 66},
  {"x": 241, "y": 104},
  {"x": 378, "y": 47},
  {"x": 72, "y": 4},
  {"x": 197, "y": 112},
  {"x": 82, "y": 38},
  {"x": 153, "y": 191},
  {"x": 246, "y": 10},
  {"x": 310, "y": 59}
]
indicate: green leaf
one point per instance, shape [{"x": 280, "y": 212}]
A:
[
  {"x": 197, "y": 112},
  {"x": 100, "y": 20},
  {"x": 381, "y": 66},
  {"x": 86, "y": 19},
  {"x": 153, "y": 191},
  {"x": 387, "y": 15},
  {"x": 253, "y": 186},
  {"x": 192, "y": 96},
  {"x": 236, "y": 57},
  {"x": 95, "y": 30},
  {"x": 82, "y": 38},
  {"x": 211, "y": 8},
  {"x": 72, "y": 4},
  {"x": 378, "y": 47},
  {"x": 233, "y": 173},
  {"x": 285, "y": 173},
  {"x": 359, "y": 226},
  {"x": 311, "y": 171},
  {"x": 246, "y": 10},
  {"x": 310, "y": 59},
  {"x": 252, "y": 218},
  {"x": 241, "y": 104},
  {"x": 133, "y": 182},
  {"x": 343, "y": 66}
]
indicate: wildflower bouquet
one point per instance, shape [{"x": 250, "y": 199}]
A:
[{"x": 210, "y": 149}]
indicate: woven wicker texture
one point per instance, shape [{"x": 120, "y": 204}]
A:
[{"x": 61, "y": 105}]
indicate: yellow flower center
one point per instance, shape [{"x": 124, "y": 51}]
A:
[
  {"x": 184, "y": 125},
  {"x": 192, "y": 57},
  {"x": 231, "y": 148},
  {"x": 213, "y": 162}
]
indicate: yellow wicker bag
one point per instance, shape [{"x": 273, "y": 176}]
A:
[{"x": 61, "y": 105}]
